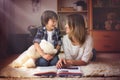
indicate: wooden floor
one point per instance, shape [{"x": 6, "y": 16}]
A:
[{"x": 4, "y": 61}]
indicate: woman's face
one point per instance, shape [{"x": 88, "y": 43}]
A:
[
  {"x": 51, "y": 24},
  {"x": 67, "y": 29}
]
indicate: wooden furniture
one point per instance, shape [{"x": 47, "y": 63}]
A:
[
  {"x": 106, "y": 40},
  {"x": 66, "y": 7},
  {"x": 95, "y": 13},
  {"x": 104, "y": 20}
]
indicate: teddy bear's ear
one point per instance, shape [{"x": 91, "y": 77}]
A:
[{"x": 43, "y": 41}]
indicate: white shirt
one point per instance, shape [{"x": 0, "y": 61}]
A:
[
  {"x": 76, "y": 52},
  {"x": 49, "y": 39}
]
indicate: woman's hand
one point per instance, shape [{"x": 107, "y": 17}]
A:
[
  {"x": 64, "y": 63},
  {"x": 47, "y": 57},
  {"x": 61, "y": 63}
]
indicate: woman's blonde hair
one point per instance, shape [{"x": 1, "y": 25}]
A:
[{"x": 78, "y": 31}]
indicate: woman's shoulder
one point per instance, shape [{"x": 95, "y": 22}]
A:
[
  {"x": 89, "y": 40},
  {"x": 89, "y": 37},
  {"x": 66, "y": 39},
  {"x": 65, "y": 36}
]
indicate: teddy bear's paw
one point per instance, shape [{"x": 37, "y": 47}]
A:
[
  {"x": 15, "y": 64},
  {"x": 30, "y": 63}
]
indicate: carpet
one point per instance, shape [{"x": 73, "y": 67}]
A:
[{"x": 98, "y": 68}]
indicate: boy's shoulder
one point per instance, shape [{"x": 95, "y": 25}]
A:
[
  {"x": 41, "y": 28},
  {"x": 56, "y": 30}
]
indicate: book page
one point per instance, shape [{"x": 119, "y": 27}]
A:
[
  {"x": 47, "y": 69},
  {"x": 71, "y": 69}
]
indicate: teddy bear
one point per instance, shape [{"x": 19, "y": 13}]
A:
[
  {"x": 28, "y": 57},
  {"x": 112, "y": 22}
]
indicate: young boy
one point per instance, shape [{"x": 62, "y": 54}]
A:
[{"x": 49, "y": 32}]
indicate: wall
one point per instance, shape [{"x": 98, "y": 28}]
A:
[
  {"x": 25, "y": 16},
  {"x": 5, "y": 23},
  {"x": 15, "y": 17}
]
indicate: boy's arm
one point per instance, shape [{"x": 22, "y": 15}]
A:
[
  {"x": 58, "y": 47},
  {"x": 59, "y": 41},
  {"x": 40, "y": 51},
  {"x": 37, "y": 40}
]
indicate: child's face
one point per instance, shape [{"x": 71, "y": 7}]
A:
[
  {"x": 51, "y": 24},
  {"x": 67, "y": 29}
]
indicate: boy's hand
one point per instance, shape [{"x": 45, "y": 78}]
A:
[{"x": 47, "y": 57}]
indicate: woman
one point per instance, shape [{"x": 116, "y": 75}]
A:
[{"x": 77, "y": 43}]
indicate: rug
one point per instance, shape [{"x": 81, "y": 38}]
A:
[{"x": 98, "y": 68}]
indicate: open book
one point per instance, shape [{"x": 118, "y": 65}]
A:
[{"x": 63, "y": 72}]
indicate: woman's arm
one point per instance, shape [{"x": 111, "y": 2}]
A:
[
  {"x": 66, "y": 62},
  {"x": 75, "y": 62}
]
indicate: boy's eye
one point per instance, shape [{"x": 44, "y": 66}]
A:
[{"x": 54, "y": 20}]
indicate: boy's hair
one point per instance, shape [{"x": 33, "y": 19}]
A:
[
  {"x": 78, "y": 31},
  {"x": 48, "y": 14}
]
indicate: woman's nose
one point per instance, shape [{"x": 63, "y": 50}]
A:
[{"x": 66, "y": 26}]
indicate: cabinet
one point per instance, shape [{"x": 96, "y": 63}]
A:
[
  {"x": 66, "y": 7},
  {"x": 106, "y": 25},
  {"x": 106, "y": 14},
  {"x": 106, "y": 41},
  {"x": 102, "y": 20}
]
